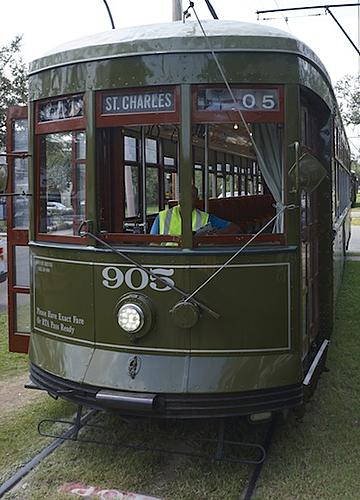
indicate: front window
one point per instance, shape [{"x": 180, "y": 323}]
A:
[
  {"x": 237, "y": 169},
  {"x": 145, "y": 177}
]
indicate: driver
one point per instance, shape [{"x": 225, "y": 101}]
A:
[{"x": 168, "y": 221}]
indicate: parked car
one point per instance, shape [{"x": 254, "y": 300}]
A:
[
  {"x": 55, "y": 207},
  {"x": 3, "y": 267}
]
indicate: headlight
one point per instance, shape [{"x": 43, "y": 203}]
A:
[{"x": 131, "y": 317}]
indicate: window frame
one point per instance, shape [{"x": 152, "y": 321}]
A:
[{"x": 41, "y": 129}]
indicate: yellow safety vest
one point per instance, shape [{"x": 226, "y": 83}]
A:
[{"x": 170, "y": 221}]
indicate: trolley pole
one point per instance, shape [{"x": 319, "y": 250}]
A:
[{"x": 177, "y": 10}]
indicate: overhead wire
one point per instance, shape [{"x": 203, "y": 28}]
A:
[
  {"x": 286, "y": 19},
  {"x": 292, "y": 17},
  {"x": 327, "y": 11}
]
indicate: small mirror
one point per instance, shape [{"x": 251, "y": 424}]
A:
[
  {"x": 3, "y": 175},
  {"x": 308, "y": 174}
]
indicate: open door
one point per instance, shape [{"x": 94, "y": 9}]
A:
[{"x": 17, "y": 230}]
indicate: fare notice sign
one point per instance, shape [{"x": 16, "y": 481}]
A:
[{"x": 149, "y": 101}]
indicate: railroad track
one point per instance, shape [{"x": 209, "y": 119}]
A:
[
  {"x": 71, "y": 433},
  {"x": 81, "y": 421},
  {"x": 254, "y": 476}
]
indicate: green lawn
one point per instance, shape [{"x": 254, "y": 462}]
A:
[
  {"x": 319, "y": 458},
  {"x": 315, "y": 458},
  {"x": 19, "y": 439},
  {"x": 10, "y": 363},
  {"x": 357, "y": 204}
]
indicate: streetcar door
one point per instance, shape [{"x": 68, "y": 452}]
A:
[{"x": 17, "y": 230}]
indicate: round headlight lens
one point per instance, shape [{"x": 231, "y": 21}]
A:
[{"x": 131, "y": 318}]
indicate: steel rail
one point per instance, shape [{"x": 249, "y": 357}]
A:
[
  {"x": 250, "y": 489},
  {"x": 45, "y": 452}
]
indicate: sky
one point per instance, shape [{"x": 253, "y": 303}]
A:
[{"x": 46, "y": 24}]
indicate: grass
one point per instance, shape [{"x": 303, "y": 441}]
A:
[
  {"x": 10, "y": 363},
  {"x": 164, "y": 476},
  {"x": 320, "y": 456},
  {"x": 355, "y": 221},
  {"x": 316, "y": 457},
  {"x": 19, "y": 439},
  {"x": 356, "y": 207}
]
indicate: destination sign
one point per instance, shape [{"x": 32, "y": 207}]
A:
[
  {"x": 246, "y": 100},
  {"x": 138, "y": 102},
  {"x": 61, "y": 109}
]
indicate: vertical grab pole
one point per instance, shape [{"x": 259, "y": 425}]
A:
[
  {"x": 186, "y": 166},
  {"x": 296, "y": 147},
  {"x": 143, "y": 177},
  {"x": 206, "y": 171}
]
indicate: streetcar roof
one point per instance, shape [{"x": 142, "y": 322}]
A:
[{"x": 175, "y": 37}]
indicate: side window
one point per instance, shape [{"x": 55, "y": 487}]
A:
[
  {"x": 20, "y": 182},
  {"x": 62, "y": 182},
  {"x": 60, "y": 162}
]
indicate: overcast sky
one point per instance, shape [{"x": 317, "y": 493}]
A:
[{"x": 46, "y": 24}]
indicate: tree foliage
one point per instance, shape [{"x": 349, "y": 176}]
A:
[
  {"x": 348, "y": 93},
  {"x": 13, "y": 81}
]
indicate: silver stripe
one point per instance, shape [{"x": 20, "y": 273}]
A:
[
  {"x": 167, "y": 221},
  {"x": 198, "y": 220},
  {"x": 315, "y": 363},
  {"x": 165, "y": 266},
  {"x": 73, "y": 340},
  {"x": 131, "y": 348}
]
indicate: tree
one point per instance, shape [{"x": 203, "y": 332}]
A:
[
  {"x": 13, "y": 81},
  {"x": 348, "y": 93}
]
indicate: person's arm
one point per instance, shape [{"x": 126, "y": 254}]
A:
[{"x": 223, "y": 226}]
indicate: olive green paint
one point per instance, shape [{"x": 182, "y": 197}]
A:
[
  {"x": 91, "y": 183},
  {"x": 264, "y": 344},
  {"x": 169, "y": 69}
]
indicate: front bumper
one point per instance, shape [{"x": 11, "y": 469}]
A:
[{"x": 169, "y": 405}]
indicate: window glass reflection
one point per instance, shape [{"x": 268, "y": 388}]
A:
[
  {"x": 22, "y": 313},
  {"x": 21, "y": 203},
  {"x": 62, "y": 182},
  {"x": 20, "y": 135},
  {"x": 131, "y": 191},
  {"x": 152, "y": 190},
  {"x": 22, "y": 266}
]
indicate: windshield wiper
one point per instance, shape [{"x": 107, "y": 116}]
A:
[{"x": 185, "y": 295}]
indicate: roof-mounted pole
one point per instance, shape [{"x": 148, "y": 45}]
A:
[
  {"x": 110, "y": 15},
  {"x": 177, "y": 10}
]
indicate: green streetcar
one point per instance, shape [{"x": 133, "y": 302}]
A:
[{"x": 202, "y": 321}]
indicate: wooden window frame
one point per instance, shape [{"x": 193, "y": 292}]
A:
[
  {"x": 145, "y": 118},
  {"x": 39, "y": 235}
]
